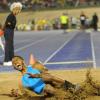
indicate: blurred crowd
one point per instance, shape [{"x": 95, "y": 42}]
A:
[
  {"x": 56, "y": 23},
  {"x": 38, "y": 4},
  {"x": 83, "y": 22}
]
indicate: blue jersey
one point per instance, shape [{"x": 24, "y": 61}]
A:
[{"x": 35, "y": 84}]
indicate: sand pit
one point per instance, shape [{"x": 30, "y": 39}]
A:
[{"x": 9, "y": 81}]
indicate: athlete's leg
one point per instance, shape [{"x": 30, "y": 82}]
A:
[{"x": 47, "y": 77}]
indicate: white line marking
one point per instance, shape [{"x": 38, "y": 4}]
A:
[
  {"x": 93, "y": 52},
  {"x": 21, "y": 41},
  {"x": 57, "y": 50},
  {"x": 70, "y": 62},
  {"x": 27, "y": 45}
]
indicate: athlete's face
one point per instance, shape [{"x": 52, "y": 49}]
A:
[{"x": 19, "y": 64}]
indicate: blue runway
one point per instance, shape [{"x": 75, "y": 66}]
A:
[
  {"x": 73, "y": 50},
  {"x": 77, "y": 50}
]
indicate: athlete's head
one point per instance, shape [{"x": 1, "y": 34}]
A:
[{"x": 18, "y": 63}]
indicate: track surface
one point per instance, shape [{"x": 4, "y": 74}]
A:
[{"x": 56, "y": 50}]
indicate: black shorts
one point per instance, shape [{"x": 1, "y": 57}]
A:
[
  {"x": 83, "y": 22},
  {"x": 64, "y": 26}
]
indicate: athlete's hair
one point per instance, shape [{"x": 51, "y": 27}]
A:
[{"x": 16, "y": 58}]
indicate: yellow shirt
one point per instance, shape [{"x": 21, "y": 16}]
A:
[{"x": 64, "y": 19}]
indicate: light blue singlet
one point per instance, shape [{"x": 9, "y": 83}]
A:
[{"x": 35, "y": 84}]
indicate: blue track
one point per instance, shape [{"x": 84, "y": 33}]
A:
[
  {"x": 78, "y": 49},
  {"x": 76, "y": 53},
  {"x": 68, "y": 66}
]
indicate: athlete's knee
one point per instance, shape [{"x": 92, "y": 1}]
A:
[{"x": 49, "y": 89}]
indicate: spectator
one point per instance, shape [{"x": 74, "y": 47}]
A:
[
  {"x": 64, "y": 21},
  {"x": 56, "y": 23},
  {"x": 87, "y": 22},
  {"x": 1, "y": 33},
  {"x": 95, "y": 21},
  {"x": 9, "y": 27},
  {"x": 82, "y": 20},
  {"x": 74, "y": 22}
]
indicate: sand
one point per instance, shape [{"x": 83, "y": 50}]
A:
[{"x": 10, "y": 80}]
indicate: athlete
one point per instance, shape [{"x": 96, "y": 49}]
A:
[{"x": 36, "y": 77}]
